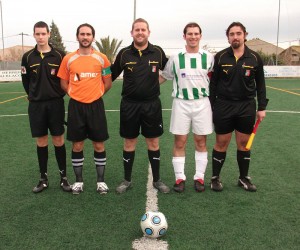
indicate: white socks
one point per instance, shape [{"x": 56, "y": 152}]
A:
[
  {"x": 178, "y": 165},
  {"x": 201, "y": 161},
  {"x": 201, "y": 164}
]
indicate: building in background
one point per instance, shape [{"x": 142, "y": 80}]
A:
[
  {"x": 12, "y": 57},
  {"x": 291, "y": 56},
  {"x": 267, "y": 48},
  {"x": 15, "y": 53}
]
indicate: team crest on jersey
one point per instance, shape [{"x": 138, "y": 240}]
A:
[
  {"x": 153, "y": 68},
  {"x": 53, "y": 72},
  {"x": 23, "y": 70},
  {"x": 247, "y": 73},
  {"x": 183, "y": 75}
]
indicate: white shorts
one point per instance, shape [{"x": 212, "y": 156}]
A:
[{"x": 197, "y": 113}]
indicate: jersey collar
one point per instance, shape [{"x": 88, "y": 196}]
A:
[
  {"x": 150, "y": 48},
  {"x": 183, "y": 51},
  {"x": 247, "y": 52}
]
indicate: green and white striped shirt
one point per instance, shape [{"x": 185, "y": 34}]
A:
[{"x": 190, "y": 74}]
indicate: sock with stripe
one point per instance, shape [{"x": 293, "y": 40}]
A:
[
  {"x": 77, "y": 163},
  {"x": 100, "y": 162}
]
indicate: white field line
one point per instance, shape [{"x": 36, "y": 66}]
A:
[
  {"x": 115, "y": 110},
  {"x": 145, "y": 243}
]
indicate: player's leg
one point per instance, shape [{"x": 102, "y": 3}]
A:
[
  {"x": 202, "y": 125},
  {"x": 97, "y": 132},
  {"x": 154, "y": 156},
  {"x": 100, "y": 163},
  {"x": 218, "y": 159},
  {"x": 219, "y": 152},
  {"x": 201, "y": 160},
  {"x": 76, "y": 133},
  {"x": 129, "y": 130},
  {"x": 77, "y": 163},
  {"x": 180, "y": 124},
  {"x": 223, "y": 118},
  {"x": 56, "y": 117},
  {"x": 128, "y": 157},
  {"x": 152, "y": 129},
  {"x": 42, "y": 154},
  {"x": 178, "y": 162},
  {"x": 60, "y": 155},
  {"x": 244, "y": 126},
  {"x": 39, "y": 130}
]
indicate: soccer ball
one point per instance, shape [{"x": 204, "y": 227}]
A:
[{"x": 154, "y": 224}]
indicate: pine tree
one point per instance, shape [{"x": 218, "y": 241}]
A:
[{"x": 55, "y": 38}]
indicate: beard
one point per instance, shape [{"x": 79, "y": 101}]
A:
[
  {"x": 236, "y": 44},
  {"x": 85, "y": 45}
]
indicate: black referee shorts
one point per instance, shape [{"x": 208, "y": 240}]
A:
[
  {"x": 141, "y": 117},
  {"x": 234, "y": 115},
  {"x": 87, "y": 120},
  {"x": 46, "y": 115}
]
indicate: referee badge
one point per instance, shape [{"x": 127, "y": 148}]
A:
[
  {"x": 53, "y": 72},
  {"x": 153, "y": 68},
  {"x": 247, "y": 72}
]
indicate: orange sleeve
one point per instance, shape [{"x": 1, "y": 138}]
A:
[{"x": 63, "y": 71}]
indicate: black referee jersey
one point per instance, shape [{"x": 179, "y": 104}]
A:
[
  {"x": 140, "y": 71},
  {"x": 39, "y": 74},
  {"x": 240, "y": 79}
]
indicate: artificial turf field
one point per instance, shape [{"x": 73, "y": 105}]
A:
[{"x": 232, "y": 219}]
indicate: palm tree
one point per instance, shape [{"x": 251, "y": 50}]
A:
[{"x": 109, "y": 48}]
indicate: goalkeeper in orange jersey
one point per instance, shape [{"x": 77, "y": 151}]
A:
[{"x": 238, "y": 78}]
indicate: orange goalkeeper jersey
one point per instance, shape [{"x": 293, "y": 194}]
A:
[{"x": 84, "y": 73}]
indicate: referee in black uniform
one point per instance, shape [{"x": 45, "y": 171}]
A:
[
  {"x": 46, "y": 104},
  {"x": 140, "y": 109},
  {"x": 238, "y": 78}
]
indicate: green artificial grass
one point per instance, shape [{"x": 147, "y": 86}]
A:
[{"x": 232, "y": 219}]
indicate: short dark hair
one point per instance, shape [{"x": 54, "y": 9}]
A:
[
  {"x": 236, "y": 24},
  {"x": 139, "y": 20},
  {"x": 191, "y": 25},
  {"x": 41, "y": 24},
  {"x": 85, "y": 25}
]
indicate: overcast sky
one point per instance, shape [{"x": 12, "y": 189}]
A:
[{"x": 166, "y": 19}]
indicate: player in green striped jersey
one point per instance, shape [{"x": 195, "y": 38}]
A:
[{"x": 190, "y": 70}]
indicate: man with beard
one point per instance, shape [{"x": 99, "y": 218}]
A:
[
  {"x": 85, "y": 76},
  {"x": 238, "y": 79},
  {"x": 140, "y": 109}
]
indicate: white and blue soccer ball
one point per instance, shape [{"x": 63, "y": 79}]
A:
[{"x": 154, "y": 224}]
